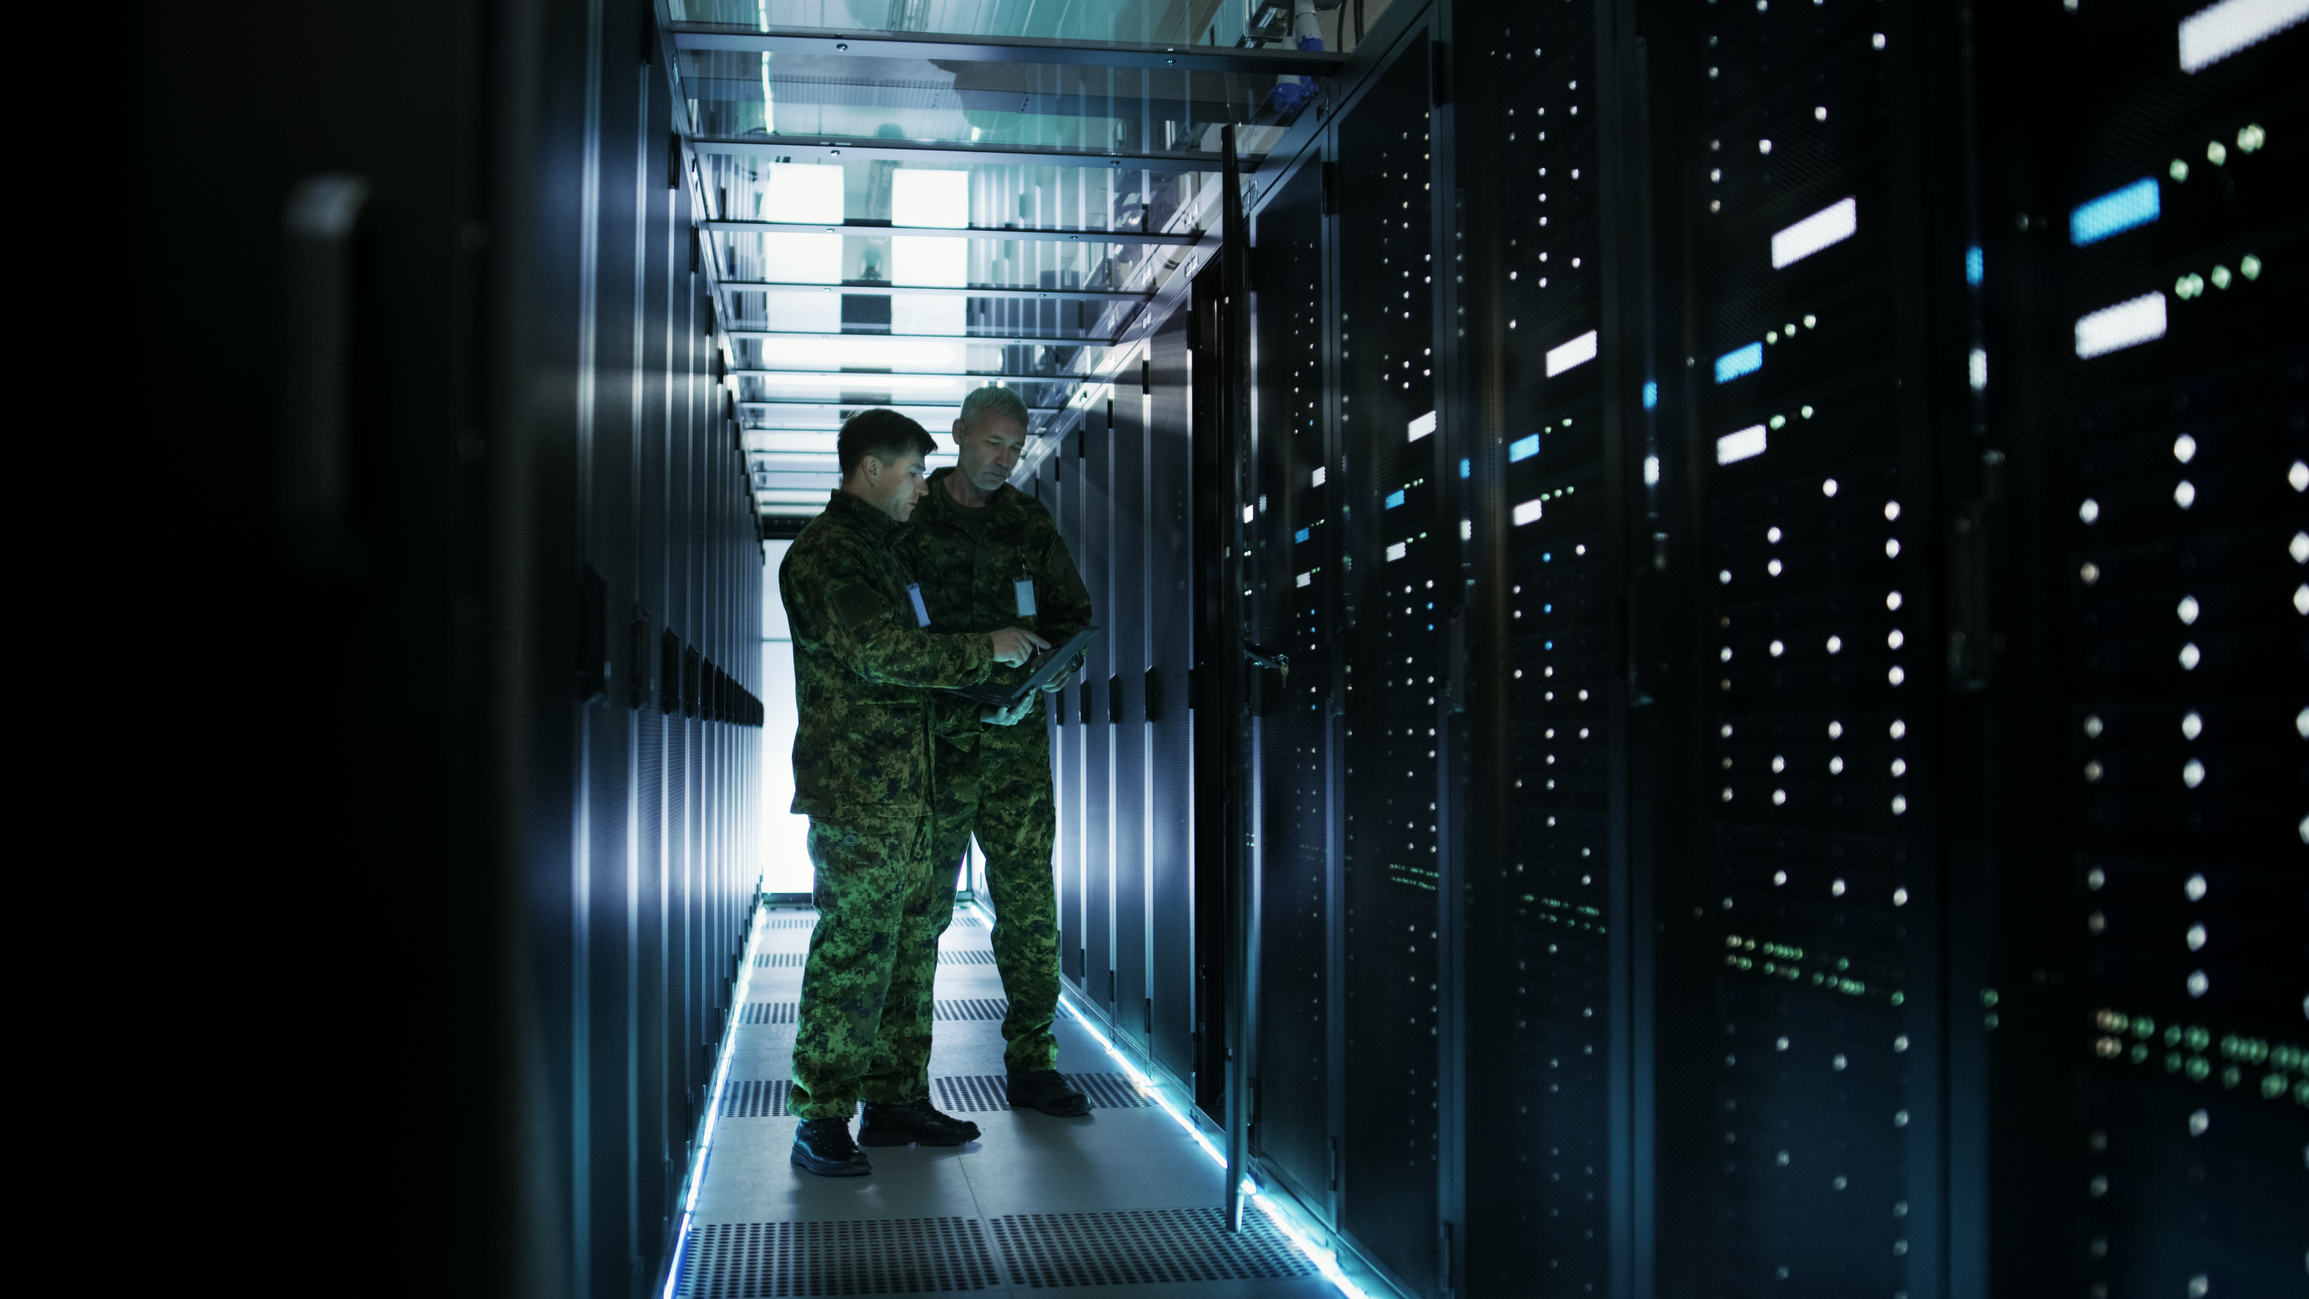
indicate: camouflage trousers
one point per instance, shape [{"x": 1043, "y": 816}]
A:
[
  {"x": 1000, "y": 791},
  {"x": 865, "y": 1018}
]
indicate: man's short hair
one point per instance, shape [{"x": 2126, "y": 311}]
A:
[
  {"x": 1001, "y": 403},
  {"x": 885, "y": 435}
]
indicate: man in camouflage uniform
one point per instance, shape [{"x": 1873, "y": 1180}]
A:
[
  {"x": 988, "y": 555},
  {"x": 864, "y": 666}
]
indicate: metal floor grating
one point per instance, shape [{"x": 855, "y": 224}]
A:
[
  {"x": 968, "y": 956},
  {"x": 779, "y": 960},
  {"x": 968, "y": 922},
  {"x": 979, "y": 1093},
  {"x": 743, "y": 1260},
  {"x": 768, "y": 1012},
  {"x": 973, "y": 1008},
  {"x": 792, "y": 922},
  {"x": 1142, "y": 1246},
  {"x": 756, "y": 1098}
]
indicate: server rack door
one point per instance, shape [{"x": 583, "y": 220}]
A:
[
  {"x": 1293, "y": 573},
  {"x": 1127, "y": 602},
  {"x": 1540, "y": 915},
  {"x": 1811, "y": 423},
  {"x": 1396, "y": 552},
  {"x": 1099, "y": 735},
  {"x": 1171, "y": 954},
  {"x": 1052, "y": 483},
  {"x": 2147, "y": 363}
]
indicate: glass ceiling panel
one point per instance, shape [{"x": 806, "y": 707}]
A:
[
  {"x": 1159, "y": 112},
  {"x": 1146, "y": 22}
]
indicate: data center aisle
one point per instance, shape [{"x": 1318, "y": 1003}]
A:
[{"x": 1122, "y": 1202}]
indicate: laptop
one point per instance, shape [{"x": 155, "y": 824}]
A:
[{"x": 1043, "y": 670}]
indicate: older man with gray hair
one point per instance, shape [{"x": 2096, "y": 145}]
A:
[{"x": 987, "y": 556}]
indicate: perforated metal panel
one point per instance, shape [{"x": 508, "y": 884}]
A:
[
  {"x": 755, "y": 1260},
  {"x": 786, "y": 960},
  {"x": 993, "y": 1008},
  {"x": 1294, "y": 567},
  {"x": 2165, "y": 392},
  {"x": 1396, "y": 553},
  {"x": 767, "y": 1012},
  {"x": 1540, "y": 909},
  {"x": 755, "y": 1098},
  {"x": 970, "y": 956},
  {"x": 979, "y": 1093},
  {"x": 1141, "y": 1247},
  {"x": 1818, "y": 698}
]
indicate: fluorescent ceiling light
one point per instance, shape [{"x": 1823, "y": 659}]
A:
[
  {"x": 891, "y": 353},
  {"x": 1742, "y": 445},
  {"x": 763, "y": 439},
  {"x": 2127, "y": 324},
  {"x": 808, "y": 192},
  {"x": 1832, "y": 224},
  {"x": 914, "y": 313},
  {"x": 1564, "y": 356},
  {"x": 1745, "y": 360},
  {"x": 941, "y": 262},
  {"x": 2115, "y": 212},
  {"x": 865, "y": 379},
  {"x": 802, "y": 259},
  {"x": 804, "y": 309},
  {"x": 2213, "y": 34},
  {"x": 930, "y": 198}
]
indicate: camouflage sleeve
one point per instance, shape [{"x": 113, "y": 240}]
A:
[
  {"x": 876, "y": 638},
  {"x": 1064, "y": 603}
]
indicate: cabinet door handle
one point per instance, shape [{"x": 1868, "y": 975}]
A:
[{"x": 317, "y": 354}]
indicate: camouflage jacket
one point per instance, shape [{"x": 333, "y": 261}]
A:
[
  {"x": 862, "y": 668},
  {"x": 969, "y": 584}
]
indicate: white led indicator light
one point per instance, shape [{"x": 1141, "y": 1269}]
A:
[
  {"x": 1396, "y": 551},
  {"x": 2187, "y": 610},
  {"x": 1833, "y": 224},
  {"x": 1317, "y": 478},
  {"x": 1564, "y": 356},
  {"x": 1306, "y": 579},
  {"x": 1743, "y": 445},
  {"x": 2218, "y": 31},
  {"x": 2192, "y": 724},
  {"x": 2127, "y": 324},
  {"x": 2193, "y": 773},
  {"x": 1422, "y": 426},
  {"x": 2195, "y": 888},
  {"x": 1527, "y": 512}
]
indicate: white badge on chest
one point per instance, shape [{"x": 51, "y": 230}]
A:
[
  {"x": 921, "y": 614},
  {"x": 1024, "y": 587}
]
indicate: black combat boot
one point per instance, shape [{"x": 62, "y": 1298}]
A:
[
  {"x": 915, "y": 1122},
  {"x": 1046, "y": 1090},
  {"x": 823, "y": 1146}
]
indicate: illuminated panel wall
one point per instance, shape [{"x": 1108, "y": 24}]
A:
[
  {"x": 1397, "y": 549},
  {"x": 1541, "y": 906},
  {"x": 1817, "y": 688},
  {"x": 1294, "y": 577},
  {"x": 2172, "y": 356}
]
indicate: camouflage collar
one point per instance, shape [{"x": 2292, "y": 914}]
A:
[
  {"x": 857, "y": 513},
  {"x": 940, "y": 504}
]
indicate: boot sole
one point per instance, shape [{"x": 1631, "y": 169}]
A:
[{"x": 829, "y": 1168}]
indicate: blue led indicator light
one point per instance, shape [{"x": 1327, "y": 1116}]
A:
[
  {"x": 1466, "y": 467},
  {"x": 1972, "y": 266},
  {"x": 1651, "y": 394},
  {"x": 1302, "y": 535},
  {"x": 1394, "y": 499},
  {"x": 2115, "y": 212},
  {"x": 1731, "y": 365},
  {"x": 1523, "y": 448}
]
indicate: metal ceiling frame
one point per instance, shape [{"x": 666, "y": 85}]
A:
[
  {"x": 794, "y": 147},
  {"x": 885, "y": 289},
  {"x": 739, "y": 334},
  {"x": 846, "y": 376},
  {"x": 1181, "y": 56},
  {"x": 946, "y": 232},
  {"x": 801, "y": 403}
]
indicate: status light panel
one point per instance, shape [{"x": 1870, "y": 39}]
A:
[
  {"x": 1818, "y": 676},
  {"x": 1397, "y": 553}
]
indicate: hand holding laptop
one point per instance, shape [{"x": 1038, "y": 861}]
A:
[{"x": 1015, "y": 645}]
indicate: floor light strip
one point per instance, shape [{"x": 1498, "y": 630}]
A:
[{"x": 713, "y": 1112}]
